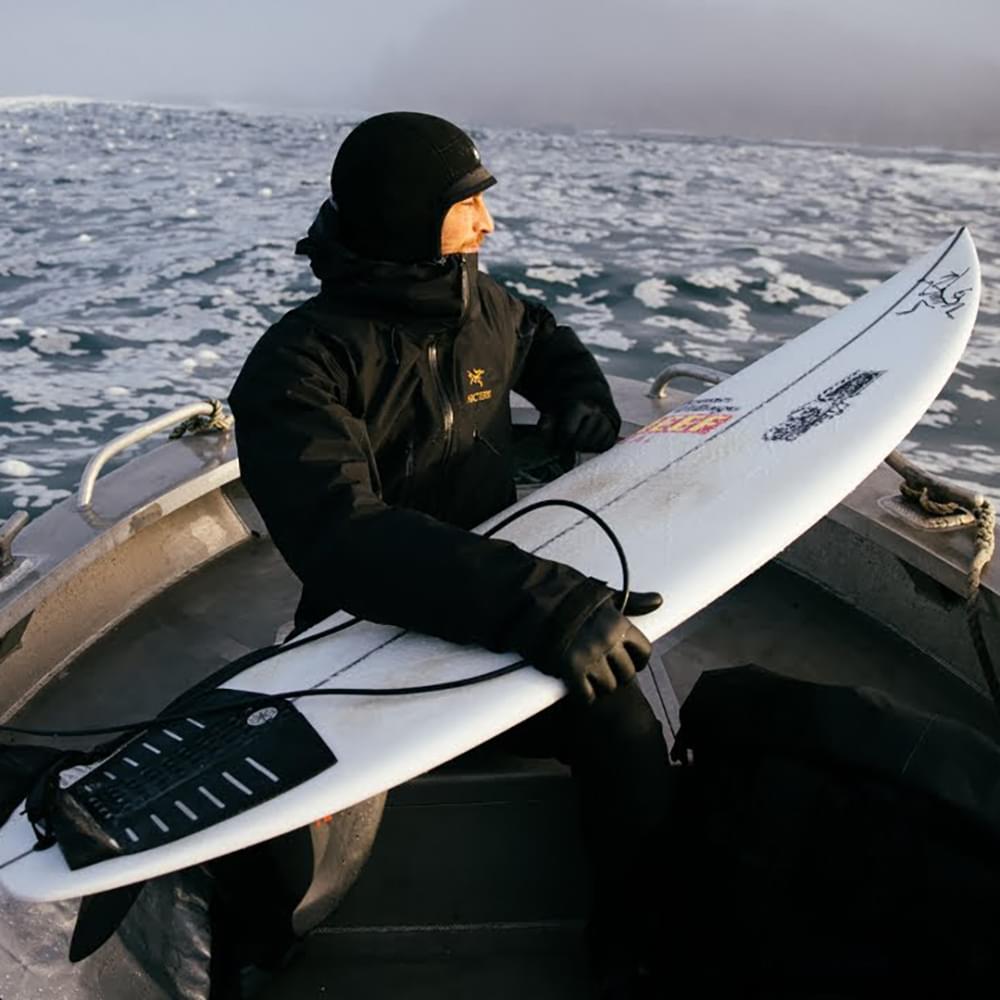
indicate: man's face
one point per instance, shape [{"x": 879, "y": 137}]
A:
[{"x": 465, "y": 225}]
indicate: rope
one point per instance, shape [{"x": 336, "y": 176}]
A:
[
  {"x": 217, "y": 421},
  {"x": 984, "y": 545},
  {"x": 921, "y": 495}
]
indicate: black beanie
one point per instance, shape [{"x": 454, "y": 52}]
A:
[{"x": 395, "y": 177}]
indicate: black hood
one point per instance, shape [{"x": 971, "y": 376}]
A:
[
  {"x": 395, "y": 177},
  {"x": 443, "y": 289}
]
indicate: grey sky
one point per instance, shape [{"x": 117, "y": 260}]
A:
[{"x": 883, "y": 71}]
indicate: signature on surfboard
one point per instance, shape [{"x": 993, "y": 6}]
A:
[{"x": 939, "y": 293}]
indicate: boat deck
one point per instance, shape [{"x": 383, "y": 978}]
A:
[{"x": 470, "y": 890}]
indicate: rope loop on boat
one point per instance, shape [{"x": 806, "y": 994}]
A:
[
  {"x": 981, "y": 515},
  {"x": 218, "y": 420},
  {"x": 964, "y": 509},
  {"x": 921, "y": 495}
]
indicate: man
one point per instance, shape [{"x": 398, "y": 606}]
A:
[{"x": 373, "y": 428}]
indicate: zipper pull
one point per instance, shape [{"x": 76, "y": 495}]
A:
[
  {"x": 476, "y": 436},
  {"x": 393, "y": 345}
]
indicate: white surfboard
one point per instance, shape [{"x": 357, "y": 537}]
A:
[{"x": 699, "y": 498}]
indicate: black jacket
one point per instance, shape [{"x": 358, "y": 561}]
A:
[{"x": 373, "y": 429}]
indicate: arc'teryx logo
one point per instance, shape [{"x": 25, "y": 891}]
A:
[{"x": 475, "y": 377}]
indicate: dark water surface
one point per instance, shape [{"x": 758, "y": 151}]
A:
[{"x": 144, "y": 249}]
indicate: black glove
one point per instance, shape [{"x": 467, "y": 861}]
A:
[
  {"x": 581, "y": 426},
  {"x": 606, "y": 651}
]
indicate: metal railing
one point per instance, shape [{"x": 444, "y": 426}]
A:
[
  {"x": 702, "y": 373},
  {"x": 8, "y": 531},
  {"x": 165, "y": 421}
]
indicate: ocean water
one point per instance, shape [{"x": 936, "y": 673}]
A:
[{"x": 144, "y": 249}]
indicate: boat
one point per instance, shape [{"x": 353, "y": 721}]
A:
[{"x": 161, "y": 571}]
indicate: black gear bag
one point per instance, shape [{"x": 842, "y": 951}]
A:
[{"x": 829, "y": 842}]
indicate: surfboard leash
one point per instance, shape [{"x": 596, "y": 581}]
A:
[{"x": 256, "y": 702}]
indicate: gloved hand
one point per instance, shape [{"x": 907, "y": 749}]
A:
[
  {"x": 606, "y": 651},
  {"x": 640, "y": 602},
  {"x": 581, "y": 426}
]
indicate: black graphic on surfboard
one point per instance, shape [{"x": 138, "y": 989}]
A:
[
  {"x": 830, "y": 403},
  {"x": 709, "y": 404}
]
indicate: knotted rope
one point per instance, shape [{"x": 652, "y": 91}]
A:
[
  {"x": 916, "y": 487},
  {"x": 216, "y": 421}
]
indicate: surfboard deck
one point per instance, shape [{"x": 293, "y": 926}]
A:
[{"x": 700, "y": 498}]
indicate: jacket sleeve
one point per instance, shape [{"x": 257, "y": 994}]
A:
[
  {"x": 556, "y": 368},
  {"x": 308, "y": 465}
]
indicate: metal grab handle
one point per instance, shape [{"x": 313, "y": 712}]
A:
[
  {"x": 712, "y": 376},
  {"x": 163, "y": 422},
  {"x": 8, "y": 531}
]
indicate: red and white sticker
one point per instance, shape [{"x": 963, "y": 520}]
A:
[{"x": 683, "y": 422}]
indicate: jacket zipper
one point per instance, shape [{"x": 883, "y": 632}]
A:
[
  {"x": 465, "y": 284},
  {"x": 447, "y": 410}
]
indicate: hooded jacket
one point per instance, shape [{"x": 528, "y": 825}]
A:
[{"x": 373, "y": 430}]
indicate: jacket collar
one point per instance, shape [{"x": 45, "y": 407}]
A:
[{"x": 442, "y": 290}]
